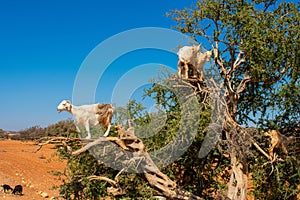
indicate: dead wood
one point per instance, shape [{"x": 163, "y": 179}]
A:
[
  {"x": 115, "y": 188},
  {"x": 57, "y": 141},
  {"x": 128, "y": 142}
]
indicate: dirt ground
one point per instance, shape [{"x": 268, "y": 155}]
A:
[{"x": 19, "y": 165}]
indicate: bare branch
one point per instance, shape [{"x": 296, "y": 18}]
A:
[
  {"x": 219, "y": 60},
  {"x": 260, "y": 149},
  {"x": 101, "y": 178},
  {"x": 117, "y": 176},
  {"x": 237, "y": 63},
  {"x": 54, "y": 140},
  {"x": 90, "y": 145},
  {"x": 243, "y": 84}
]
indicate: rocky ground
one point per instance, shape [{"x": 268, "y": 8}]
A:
[{"x": 19, "y": 165}]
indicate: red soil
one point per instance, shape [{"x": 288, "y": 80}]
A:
[{"x": 19, "y": 165}]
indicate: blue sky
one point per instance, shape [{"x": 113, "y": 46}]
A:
[{"x": 44, "y": 43}]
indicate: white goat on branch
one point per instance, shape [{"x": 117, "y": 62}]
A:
[
  {"x": 190, "y": 58},
  {"x": 94, "y": 114}
]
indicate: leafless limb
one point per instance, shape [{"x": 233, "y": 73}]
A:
[
  {"x": 260, "y": 149},
  {"x": 56, "y": 140},
  {"x": 128, "y": 142},
  {"x": 243, "y": 84},
  {"x": 219, "y": 60}
]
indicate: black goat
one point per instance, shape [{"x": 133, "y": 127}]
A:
[
  {"x": 18, "y": 190},
  {"x": 6, "y": 188}
]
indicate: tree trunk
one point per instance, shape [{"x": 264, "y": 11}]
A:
[{"x": 237, "y": 186}]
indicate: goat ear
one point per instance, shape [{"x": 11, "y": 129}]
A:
[
  {"x": 68, "y": 101},
  {"x": 69, "y": 107}
]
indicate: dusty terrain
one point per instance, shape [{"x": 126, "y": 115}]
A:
[{"x": 19, "y": 165}]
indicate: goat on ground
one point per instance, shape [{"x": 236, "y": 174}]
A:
[
  {"x": 192, "y": 59},
  {"x": 94, "y": 114},
  {"x": 17, "y": 190},
  {"x": 6, "y": 187}
]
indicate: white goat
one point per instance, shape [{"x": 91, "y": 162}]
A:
[
  {"x": 94, "y": 114},
  {"x": 191, "y": 57}
]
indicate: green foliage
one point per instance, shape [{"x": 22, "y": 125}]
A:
[
  {"x": 32, "y": 133},
  {"x": 65, "y": 128},
  {"x": 267, "y": 34},
  {"x": 195, "y": 175},
  {"x": 136, "y": 186},
  {"x": 77, "y": 185},
  {"x": 279, "y": 180},
  {"x": 132, "y": 110},
  {"x": 183, "y": 170}
]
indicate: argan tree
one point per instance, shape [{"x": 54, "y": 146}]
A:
[
  {"x": 255, "y": 47},
  {"x": 256, "y": 50}
]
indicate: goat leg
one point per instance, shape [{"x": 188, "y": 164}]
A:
[
  {"x": 87, "y": 128},
  {"x": 179, "y": 66},
  {"x": 186, "y": 71},
  {"x": 78, "y": 130},
  {"x": 107, "y": 131}
]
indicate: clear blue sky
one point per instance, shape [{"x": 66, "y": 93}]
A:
[{"x": 43, "y": 44}]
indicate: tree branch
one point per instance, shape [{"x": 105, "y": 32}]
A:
[
  {"x": 101, "y": 178},
  {"x": 55, "y": 140},
  {"x": 129, "y": 142},
  {"x": 219, "y": 60},
  {"x": 260, "y": 149},
  {"x": 243, "y": 84},
  {"x": 270, "y": 81}
]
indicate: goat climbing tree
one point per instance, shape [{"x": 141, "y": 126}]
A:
[{"x": 256, "y": 50}]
